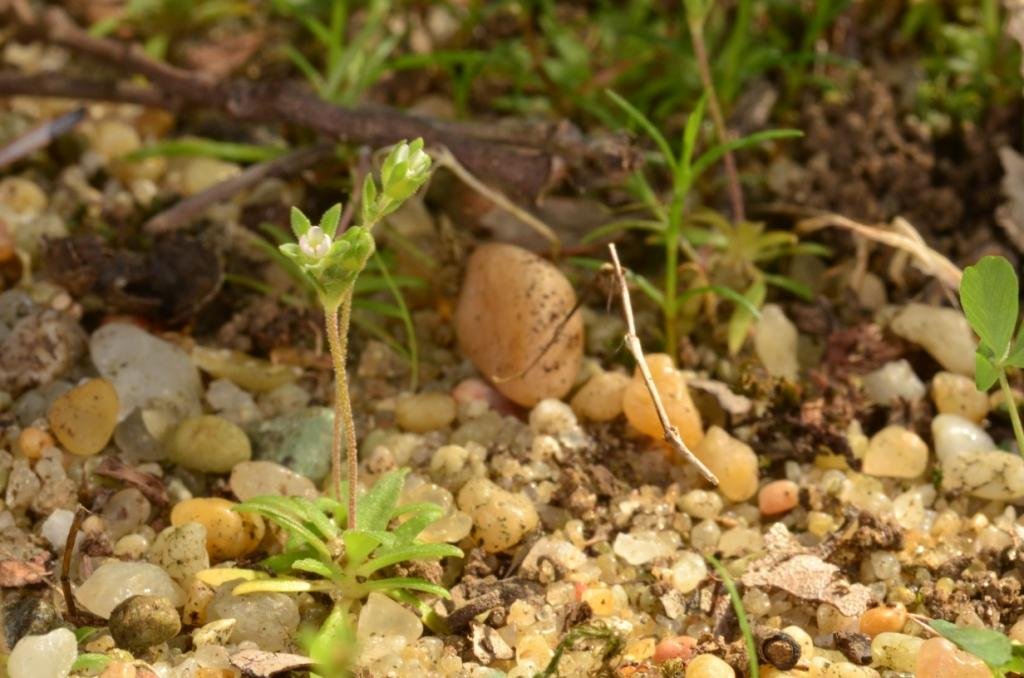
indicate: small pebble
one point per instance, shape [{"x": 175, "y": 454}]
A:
[
  {"x": 267, "y": 619},
  {"x": 775, "y": 342},
  {"x": 424, "y": 412},
  {"x": 141, "y": 622},
  {"x": 939, "y": 658},
  {"x": 511, "y": 305},
  {"x": 501, "y": 517},
  {"x": 676, "y": 647},
  {"x": 600, "y": 398},
  {"x": 552, "y": 417},
  {"x": 995, "y": 474},
  {"x": 958, "y": 394},
  {"x": 125, "y": 512},
  {"x": 671, "y": 386},
  {"x": 229, "y": 533},
  {"x": 884, "y": 619},
  {"x": 145, "y": 371},
  {"x": 116, "y": 581},
  {"x": 778, "y": 496},
  {"x": 83, "y": 419},
  {"x": 893, "y": 382},
  {"x": 381, "y": 616},
  {"x": 942, "y": 332},
  {"x": 688, "y": 572},
  {"x": 701, "y": 504},
  {"x": 209, "y": 444},
  {"x": 954, "y": 435},
  {"x": 199, "y": 174},
  {"x": 32, "y": 441},
  {"x": 46, "y": 656},
  {"x": 895, "y": 452},
  {"x": 181, "y": 550},
  {"x": 732, "y": 461},
  {"x": 251, "y": 374},
  {"x": 709, "y": 666},
  {"x": 640, "y": 548},
  {"x": 896, "y": 651},
  {"x": 259, "y": 478}
]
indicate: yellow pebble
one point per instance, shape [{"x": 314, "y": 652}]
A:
[
  {"x": 709, "y": 666},
  {"x": 600, "y": 600},
  {"x": 671, "y": 386},
  {"x": 32, "y": 441},
  {"x": 600, "y": 399},
  {"x": 197, "y": 596},
  {"x": 83, "y": 419},
  {"x": 732, "y": 461},
  {"x": 229, "y": 534}
]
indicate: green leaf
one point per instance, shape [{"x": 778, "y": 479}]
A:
[
  {"x": 991, "y": 647},
  {"x": 424, "y": 515},
  {"x": 333, "y": 648},
  {"x": 399, "y": 554},
  {"x": 407, "y": 583},
  {"x": 317, "y": 567},
  {"x": 90, "y": 662},
  {"x": 208, "y": 148},
  {"x": 988, "y": 294},
  {"x": 712, "y": 155},
  {"x": 647, "y": 126},
  {"x": 329, "y": 221},
  {"x": 985, "y": 373},
  {"x": 83, "y": 632},
  {"x": 300, "y": 223},
  {"x": 280, "y": 585},
  {"x": 369, "y": 199},
  {"x": 378, "y": 504},
  {"x": 359, "y": 544},
  {"x": 286, "y": 520},
  {"x": 741, "y": 318},
  {"x": 690, "y": 132}
]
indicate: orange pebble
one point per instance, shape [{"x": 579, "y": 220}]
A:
[
  {"x": 883, "y": 619},
  {"x": 678, "y": 647},
  {"x": 32, "y": 441},
  {"x": 671, "y": 386},
  {"x": 778, "y": 497},
  {"x": 939, "y": 658}
]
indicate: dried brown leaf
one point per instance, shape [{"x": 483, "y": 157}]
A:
[
  {"x": 801, "y": 572},
  {"x": 264, "y": 664}
]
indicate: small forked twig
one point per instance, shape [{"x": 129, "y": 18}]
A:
[{"x": 633, "y": 344}]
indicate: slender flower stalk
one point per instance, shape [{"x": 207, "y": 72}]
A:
[{"x": 332, "y": 263}]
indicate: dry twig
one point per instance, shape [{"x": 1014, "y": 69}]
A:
[
  {"x": 39, "y": 137},
  {"x": 524, "y": 164},
  {"x": 633, "y": 344},
  {"x": 188, "y": 210},
  {"x": 65, "y": 565}
]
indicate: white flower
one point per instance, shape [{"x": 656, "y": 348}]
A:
[{"x": 315, "y": 243}]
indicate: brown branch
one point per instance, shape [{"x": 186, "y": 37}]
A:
[
  {"x": 633, "y": 344},
  {"x": 61, "y": 86},
  {"x": 65, "y": 566},
  {"x": 523, "y": 164},
  {"x": 700, "y": 51},
  {"x": 40, "y": 136},
  {"x": 188, "y": 210}
]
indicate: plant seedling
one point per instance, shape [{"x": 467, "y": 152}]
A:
[
  {"x": 332, "y": 262},
  {"x": 989, "y": 294},
  {"x": 345, "y": 561},
  {"x": 1002, "y": 655}
]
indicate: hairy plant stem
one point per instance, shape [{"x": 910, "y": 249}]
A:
[
  {"x": 338, "y": 319},
  {"x": 700, "y": 51},
  {"x": 1011, "y": 406}
]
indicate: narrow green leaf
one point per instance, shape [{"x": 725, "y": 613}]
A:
[
  {"x": 359, "y": 545},
  {"x": 711, "y": 156},
  {"x": 398, "y": 554},
  {"x": 377, "y": 505},
  {"x": 287, "y": 521},
  {"x": 647, "y": 126},
  {"x": 424, "y": 516},
  {"x": 991, "y": 647},
  {"x": 329, "y": 221},
  {"x": 407, "y": 583},
  {"x": 317, "y": 567},
  {"x": 988, "y": 294},
  {"x": 280, "y": 585},
  {"x": 741, "y": 318},
  {"x": 208, "y": 148},
  {"x": 300, "y": 223}
]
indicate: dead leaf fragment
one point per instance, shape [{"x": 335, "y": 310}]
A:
[
  {"x": 264, "y": 664},
  {"x": 800, "y": 572},
  {"x": 147, "y": 483}
]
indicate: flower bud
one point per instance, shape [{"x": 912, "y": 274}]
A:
[{"x": 315, "y": 244}]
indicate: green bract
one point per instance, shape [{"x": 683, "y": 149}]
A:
[{"x": 989, "y": 294}]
